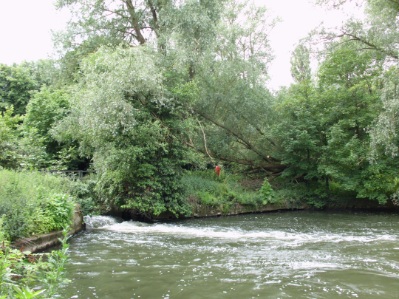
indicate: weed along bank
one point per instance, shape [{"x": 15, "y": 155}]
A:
[{"x": 53, "y": 239}]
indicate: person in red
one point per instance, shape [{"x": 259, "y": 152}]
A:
[{"x": 217, "y": 170}]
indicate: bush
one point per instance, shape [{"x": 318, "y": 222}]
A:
[
  {"x": 83, "y": 191},
  {"x": 267, "y": 193},
  {"x": 34, "y": 203}
]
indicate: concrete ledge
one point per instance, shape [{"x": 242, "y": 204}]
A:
[
  {"x": 203, "y": 211},
  {"x": 45, "y": 241}
]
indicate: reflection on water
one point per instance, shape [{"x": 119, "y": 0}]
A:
[{"x": 281, "y": 255}]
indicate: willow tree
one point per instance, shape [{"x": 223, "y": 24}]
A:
[
  {"x": 385, "y": 137},
  {"x": 140, "y": 22},
  {"x": 165, "y": 79},
  {"x": 232, "y": 100},
  {"x": 128, "y": 122},
  {"x": 215, "y": 53}
]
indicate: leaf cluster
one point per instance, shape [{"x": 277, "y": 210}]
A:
[{"x": 26, "y": 275}]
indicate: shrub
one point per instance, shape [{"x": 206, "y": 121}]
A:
[
  {"x": 59, "y": 208},
  {"x": 33, "y": 203},
  {"x": 267, "y": 193},
  {"x": 83, "y": 191},
  {"x": 208, "y": 199}
]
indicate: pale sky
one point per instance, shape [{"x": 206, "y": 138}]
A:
[
  {"x": 26, "y": 25},
  {"x": 25, "y": 29},
  {"x": 299, "y": 17}
]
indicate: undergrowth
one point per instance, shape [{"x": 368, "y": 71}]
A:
[
  {"x": 33, "y": 203},
  {"x": 224, "y": 191},
  {"x": 26, "y": 275}
]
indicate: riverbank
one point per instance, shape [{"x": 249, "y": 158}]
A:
[
  {"x": 43, "y": 242},
  {"x": 204, "y": 211}
]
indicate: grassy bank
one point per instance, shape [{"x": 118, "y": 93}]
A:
[{"x": 224, "y": 194}]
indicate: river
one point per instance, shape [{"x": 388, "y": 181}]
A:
[{"x": 275, "y": 255}]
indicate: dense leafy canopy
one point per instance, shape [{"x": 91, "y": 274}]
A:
[{"x": 148, "y": 89}]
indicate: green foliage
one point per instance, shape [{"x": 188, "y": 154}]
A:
[
  {"x": 46, "y": 108},
  {"x": 9, "y": 157},
  {"x": 33, "y": 203},
  {"x": 46, "y": 72},
  {"x": 52, "y": 271},
  {"x": 197, "y": 82},
  {"x": 324, "y": 129},
  {"x": 211, "y": 191},
  {"x": 25, "y": 275},
  {"x": 125, "y": 118},
  {"x": 59, "y": 208},
  {"x": 19, "y": 149},
  {"x": 300, "y": 64},
  {"x": 83, "y": 190},
  {"x": 208, "y": 199},
  {"x": 299, "y": 132},
  {"x": 214, "y": 65},
  {"x": 368, "y": 59},
  {"x": 16, "y": 87},
  {"x": 267, "y": 193},
  {"x": 384, "y": 132}
]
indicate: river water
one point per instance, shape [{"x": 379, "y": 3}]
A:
[{"x": 276, "y": 255}]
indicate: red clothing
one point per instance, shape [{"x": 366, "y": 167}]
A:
[{"x": 217, "y": 170}]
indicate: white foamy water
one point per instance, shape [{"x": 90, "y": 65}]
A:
[
  {"x": 100, "y": 221},
  {"x": 288, "y": 255},
  {"x": 236, "y": 234}
]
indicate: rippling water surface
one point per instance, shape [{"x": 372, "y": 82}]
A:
[{"x": 277, "y": 255}]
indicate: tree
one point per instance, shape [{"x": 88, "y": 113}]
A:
[
  {"x": 349, "y": 80},
  {"x": 125, "y": 119},
  {"x": 44, "y": 111},
  {"x": 206, "y": 45},
  {"x": 137, "y": 22},
  {"x": 377, "y": 35},
  {"x": 232, "y": 102},
  {"x": 300, "y": 64},
  {"x": 16, "y": 87},
  {"x": 377, "y": 31},
  {"x": 384, "y": 133},
  {"x": 324, "y": 127},
  {"x": 299, "y": 132},
  {"x": 8, "y": 139},
  {"x": 45, "y": 72}
]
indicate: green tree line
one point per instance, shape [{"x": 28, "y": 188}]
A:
[{"x": 148, "y": 90}]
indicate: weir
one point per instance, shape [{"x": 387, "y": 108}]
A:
[{"x": 279, "y": 255}]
